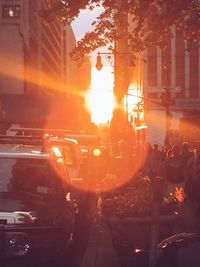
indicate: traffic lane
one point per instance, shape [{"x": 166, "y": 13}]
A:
[
  {"x": 100, "y": 251},
  {"x": 87, "y": 210}
]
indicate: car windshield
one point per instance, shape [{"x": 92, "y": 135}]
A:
[{"x": 28, "y": 175}]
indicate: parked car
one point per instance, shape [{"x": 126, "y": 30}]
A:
[
  {"x": 37, "y": 215},
  {"x": 68, "y": 147},
  {"x": 71, "y": 154},
  {"x": 92, "y": 150},
  {"x": 84, "y": 198}
]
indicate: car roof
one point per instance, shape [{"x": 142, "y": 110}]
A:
[
  {"x": 58, "y": 133},
  {"x": 26, "y": 156},
  {"x": 25, "y": 151}
]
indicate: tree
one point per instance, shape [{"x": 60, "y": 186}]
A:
[{"x": 149, "y": 22}]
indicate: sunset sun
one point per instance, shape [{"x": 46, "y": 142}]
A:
[{"x": 100, "y": 98}]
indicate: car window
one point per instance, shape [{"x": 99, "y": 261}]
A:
[
  {"x": 30, "y": 175},
  {"x": 62, "y": 172},
  {"x": 6, "y": 167}
]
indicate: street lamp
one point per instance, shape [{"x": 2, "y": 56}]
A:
[
  {"x": 121, "y": 78},
  {"x": 99, "y": 64}
]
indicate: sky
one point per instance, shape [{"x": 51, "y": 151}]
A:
[{"x": 82, "y": 24}]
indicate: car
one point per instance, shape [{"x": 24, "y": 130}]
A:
[
  {"x": 179, "y": 250},
  {"x": 52, "y": 137},
  {"x": 71, "y": 154},
  {"x": 90, "y": 144},
  {"x": 93, "y": 154},
  {"x": 85, "y": 151},
  {"x": 83, "y": 197},
  {"x": 37, "y": 215}
]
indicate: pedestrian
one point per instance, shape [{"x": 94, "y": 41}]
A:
[
  {"x": 148, "y": 161},
  {"x": 155, "y": 160},
  {"x": 190, "y": 210},
  {"x": 186, "y": 152},
  {"x": 192, "y": 185},
  {"x": 162, "y": 167},
  {"x": 157, "y": 154},
  {"x": 169, "y": 153}
]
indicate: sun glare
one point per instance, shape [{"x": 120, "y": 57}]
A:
[
  {"x": 14, "y": 69},
  {"x": 100, "y": 98}
]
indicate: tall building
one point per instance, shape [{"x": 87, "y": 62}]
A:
[
  {"x": 34, "y": 55},
  {"x": 173, "y": 73},
  {"x": 13, "y": 42},
  {"x": 169, "y": 80},
  {"x": 33, "y": 51}
]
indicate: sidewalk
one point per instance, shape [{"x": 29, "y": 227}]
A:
[{"x": 100, "y": 252}]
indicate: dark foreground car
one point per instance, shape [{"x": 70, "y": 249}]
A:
[
  {"x": 36, "y": 212},
  {"x": 181, "y": 250}
]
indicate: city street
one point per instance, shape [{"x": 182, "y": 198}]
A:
[{"x": 99, "y": 133}]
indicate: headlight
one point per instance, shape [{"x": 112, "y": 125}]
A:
[
  {"x": 17, "y": 244},
  {"x": 96, "y": 152}
]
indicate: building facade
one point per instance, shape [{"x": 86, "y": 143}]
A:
[
  {"x": 35, "y": 56},
  {"x": 173, "y": 73},
  {"x": 169, "y": 81}
]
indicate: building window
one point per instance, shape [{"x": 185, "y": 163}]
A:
[
  {"x": 10, "y": 11},
  {"x": 152, "y": 67}
]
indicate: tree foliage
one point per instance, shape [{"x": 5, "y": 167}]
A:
[{"x": 149, "y": 21}]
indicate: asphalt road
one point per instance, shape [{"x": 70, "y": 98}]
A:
[{"x": 100, "y": 252}]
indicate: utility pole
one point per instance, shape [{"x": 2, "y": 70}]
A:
[
  {"x": 167, "y": 100},
  {"x": 167, "y": 115}
]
